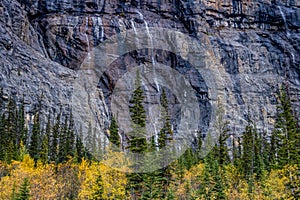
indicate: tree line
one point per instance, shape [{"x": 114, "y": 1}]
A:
[
  {"x": 54, "y": 143},
  {"x": 239, "y": 166}
]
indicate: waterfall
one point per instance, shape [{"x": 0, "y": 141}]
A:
[
  {"x": 284, "y": 20},
  {"x": 86, "y": 35},
  {"x": 152, "y": 54},
  {"x": 153, "y": 119},
  {"x": 140, "y": 14},
  {"x": 98, "y": 28},
  {"x": 133, "y": 26},
  {"x": 151, "y": 41},
  {"x": 293, "y": 57},
  {"x": 136, "y": 34}
]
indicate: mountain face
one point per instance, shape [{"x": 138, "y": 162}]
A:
[{"x": 254, "y": 46}]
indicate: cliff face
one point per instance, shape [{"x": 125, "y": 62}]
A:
[{"x": 255, "y": 45}]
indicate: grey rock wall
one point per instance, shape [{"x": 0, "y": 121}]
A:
[{"x": 255, "y": 45}]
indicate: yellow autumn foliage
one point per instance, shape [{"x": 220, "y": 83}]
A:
[
  {"x": 81, "y": 181},
  {"x": 113, "y": 181},
  {"x": 42, "y": 183},
  {"x": 61, "y": 181}
]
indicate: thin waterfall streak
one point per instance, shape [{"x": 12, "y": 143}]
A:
[
  {"x": 101, "y": 28},
  {"x": 136, "y": 39},
  {"x": 86, "y": 35},
  {"x": 152, "y": 54},
  {"x": 293, "y": 58},
  {"x": 155, "y": 136},
  {"x": 133, "y": 26},
  {"x": 284, "y": 20},
  {"x": 140, "y": 14}
]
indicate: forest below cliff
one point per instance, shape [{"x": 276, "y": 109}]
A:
[
  {"x": 55, "y": 162},
  {"x": 67, "y": 62}
]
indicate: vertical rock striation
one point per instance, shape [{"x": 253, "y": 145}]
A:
[{"x": 255, "y": 45}]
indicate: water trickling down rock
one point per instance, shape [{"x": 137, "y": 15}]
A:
[{"x": 255, "y": 43}]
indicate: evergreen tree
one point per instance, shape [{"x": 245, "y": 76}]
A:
[
  {"x": 12, "y": 118},
  {"x": 22, "y": 151},
  {"x": 10, "y": 131},
  {"x": 44, "y": 153},
  {"x": 248, "y": 152},
  {"x": 3, "y": 138},
  {"x": 222, "y": 129},
  {"x": 153, "y": 185},
  {"x": 265, "y": 148},
  {"x": 213, "y": 186},
  {"x": 23, "y": 193},
  {"x": 154, "y": 180},
  {"x": 286, "y": 135},
  {"x": 114, "y": 132},
  {"x": 63, "y": 140},
  {"x": 138, "y": 142},
  {"x": 157, "y": 182},
  {"x": 236, "y": 152},
  {"x": 99, "y": 189},
  {"x": 21, "y": 127},
  {"x": 13, "y": 194},
  {"x": 137, "y": 139},
  {"x": 251, "y": 161},
  {"x": 274, "y": 146},
  {"x": 35, "y": 138},
  {"x": 10, "y": 151},
  {"x": 166, "y": 133},
  {"x": 79, "y": 147},
  {"x": 258, "y": 165},
  {"x": 70, "y": 143},
  {"x": 54, "y": 139}
]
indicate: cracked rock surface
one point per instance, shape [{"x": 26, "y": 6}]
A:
[{"x": 254, "y": 45}]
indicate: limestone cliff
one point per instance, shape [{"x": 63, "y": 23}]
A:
[{"x": 254, "y": 43}]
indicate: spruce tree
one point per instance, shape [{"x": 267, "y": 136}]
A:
[
  {"x": 63, "y": 140},
  {"x": 3, "y": 137},
  {"x": 213, "y": 186},
  {"x": 248, "y": 152},
  {"x": 222, "y": 128},
  {"x": 166, "y": 133},
  {"x": 13, "y": 194},
  {"x": 274, "y": 146},
  {"x": 157, "y": 181},
  {"x": 35, "y": 138},
  {"x": 137, "y": 139},
  {"x": 10, "y": 127},
  {"x": 21, "y": 128},
  {"x": 99, "y": 189},
  {"x": 70, "y": 143},
  {"x": 286, "y": 135},
  {"x": 265, "y": 147},
  {"x": 236, "y": 152},
  {"x": 44, "y": 153},
  {"x": 23, "y": 193},
  {"x": 114, "y": 132},
  {"x": 55, "y": 139},
  {"x": 138, "y": 142},
  {"x": 154, "y": 180},
  {"x": 258, "y": 167},
  {"x": 79, "y": 147},
  {"x": 153, "y": 185}
]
